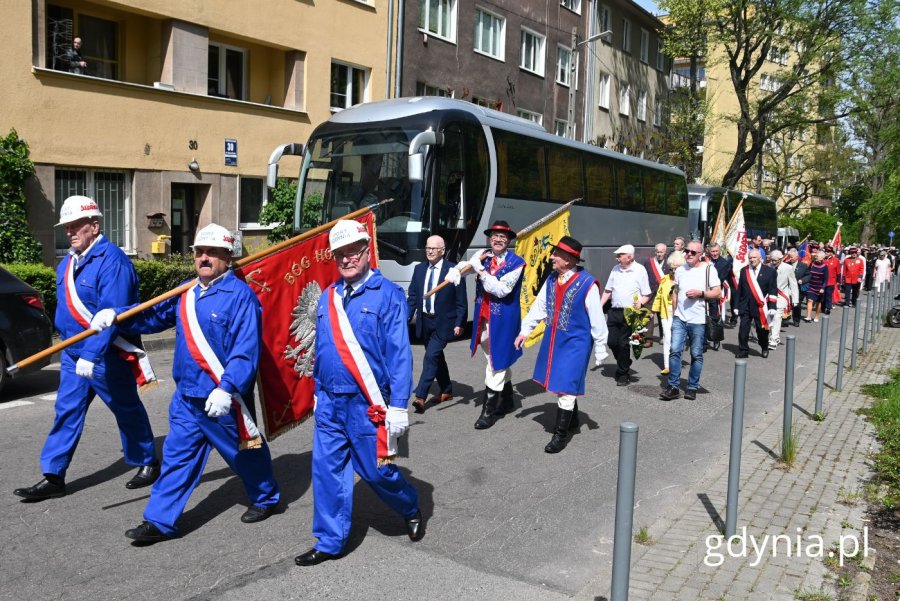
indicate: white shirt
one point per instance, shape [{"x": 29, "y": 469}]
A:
[
  {"x": 693, "y": 310},
  {"x": 500, "y": 287},
  {"x": 625, "y": 283},
  {"x": 538, "y": 313},
  {"x": 437, "y": 280}
]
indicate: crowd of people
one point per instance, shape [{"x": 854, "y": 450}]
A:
[{"x": 363, "y": 371}]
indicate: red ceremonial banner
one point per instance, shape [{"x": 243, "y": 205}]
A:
[{"x": 288, "y": 283}]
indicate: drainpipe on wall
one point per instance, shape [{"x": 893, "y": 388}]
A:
[
  {"x": 398, "y": 70},
  {"x": 390, "y": 42}
]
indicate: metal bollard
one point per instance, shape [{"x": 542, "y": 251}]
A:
[
  {"x": 839, "y": 380},
  {"x": 734, "y": 455},
  {"x": 865, "y": 347},
  {"x": 855, "y": 344},
  {"x": 820, "y": 377},
  {"x": 621, "y": 568},
  {"x": 787, "y": 426}
]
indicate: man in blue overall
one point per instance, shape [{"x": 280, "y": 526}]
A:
[
  {"x": 218, "y": 329},
  {"x": 569, "y": 304},
  {"x": 363, "y": 378},
  {"x": 95, "y": 274},
  {"x": 496, "y": 318}
]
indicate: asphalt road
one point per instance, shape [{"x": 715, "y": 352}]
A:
[{"x": 505, "y": 519}]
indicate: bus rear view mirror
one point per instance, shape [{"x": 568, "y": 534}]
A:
[
  {"x": 417, "y": 157},
  {"x": 292, "y": 149},
  {"x": 416, "y": 167}
]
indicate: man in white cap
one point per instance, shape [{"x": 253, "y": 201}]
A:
[
  {"x": 627, "y": 286},
  {"x": 218, "y": 333},
  {"x": 95, "y": 274},
  {"x": 363, "y": 379}
]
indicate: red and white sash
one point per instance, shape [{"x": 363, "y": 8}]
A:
[
  {"x": 787, "y": 299},
  {"x": 657, "y": 271},
  {"x": 136, "y": 358},
  {"x": 355, "y": 361},
  {"x": 206, "y": 358},
  {"x": 756, "y": 291}
]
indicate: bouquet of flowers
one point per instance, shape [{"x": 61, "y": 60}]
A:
[{"x": 637, "y": 320}]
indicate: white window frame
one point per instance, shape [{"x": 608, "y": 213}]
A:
[
  {"x": 572, "y": 5},
  {"x": 603, "y": 91},
  {"x": 657, "y": 112},
  {"x": 446, "y": 16},
  {"x": 564, "y": 71},
  {"x": 660, "y": 56},
  {"x": 253, "y": 225},
  {"x": 624, "y": 98},
  {"x": 642, "y": 106},
  {"x": 645, "y": 46},
  {"x": 426, "y": 89},
  {"x": 498, "y": 37},
  {"x": 561, "y": 126},
  {"x": 626, "y": 36},
  {"x": 531, "y": 116},
  {"x": 539, "y": 55},
  {"x": 604, "y": 19},
  {"x": 348, "y": 93},
  {"x": 223, "y": 81},
  {"x": 128, "y": 209}
]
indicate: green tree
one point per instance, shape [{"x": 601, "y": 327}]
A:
[
  {"x": 17, "y": 245},
  {"x": 818, "y": 225}
]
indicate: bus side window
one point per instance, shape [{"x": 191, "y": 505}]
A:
[
  {"x": 599, "y": 178},
  {"x": 450, "y": 183},
  {"x": 628, "y": 179}
]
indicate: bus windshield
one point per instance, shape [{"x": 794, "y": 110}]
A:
[{"x": 345, "y": 171}]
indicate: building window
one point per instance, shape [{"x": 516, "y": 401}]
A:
[
  {"x": 564, "y": 66},
  {"x": 560, "y": 126},
  {"x": 660, "y": 56},
  {"x": 603, "y": 21},
  {"x": 252, "y": 200},
  {"x": 112, "y": 192},
  {"x": 490, "y": 33},
  {"x": 645, "y": 46},
  {"x": 573, "y": 5},
  {"x": 624, "y": 98},
  {"x": 532, "y": 52},
  {"x": 424, "y": 89},
  {"x": 626, "y": 35},
  {"x": 657, "y": 112},
  {"x": 497, "y": 105},
  {"x": 348, "y": 86},
  {"x": 642, "y": 106},
  {"x": 438, "y": 17},
  {"x": 531, "y": 116},
  {"x": 604, "y": 91},
  {"x": 227, "y": 69},
  {"x": 99, "y": 39}
]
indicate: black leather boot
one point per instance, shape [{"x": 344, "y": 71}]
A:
[
  {"x": 506, "y": 399},
  {"x": 488, "y": 409},
  {"x": 575, "y": 421},
  {"x": 558, "y": 442}
]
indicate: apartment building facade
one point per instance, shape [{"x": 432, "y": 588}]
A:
[{"x": 170, "y": 125}]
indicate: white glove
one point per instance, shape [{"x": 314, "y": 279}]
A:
[
  {"x": 218, "y": 404},
  {"x": 396, "y": 421},
  {"x": 475, "y": 263},
  {"x": 453, "y": 276},
  {"x": 103, "y": 319},
  {"x": 85, "y": 368}
]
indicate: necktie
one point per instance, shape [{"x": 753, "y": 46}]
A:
[
  {"x": 429, "y": 302},
  {"x": 348, "y": 290}
]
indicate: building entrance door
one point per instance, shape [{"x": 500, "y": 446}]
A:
[{"x": 185, "y": 216}]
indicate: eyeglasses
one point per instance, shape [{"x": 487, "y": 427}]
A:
[
  {"x": 691, "y": 253},
  {"x": 433, "y": 249},
  {"x": 352, "y": 256},
  {"x": 499, "y": 237}
]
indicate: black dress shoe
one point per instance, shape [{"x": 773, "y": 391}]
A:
[
  {"x": 741, "y": 355},
  {"x": 690, "y": 394},
  {"x": 42, "y": 490},
  {"x": 146, "y": 533},
  {"x": 145, "y": 476},
  {"x": 255, "y": 513},
  {"x": 622, "y": 381},
  {"x": 313, "y": 557},
  {"x": 764, "y": 353},
  {"x": 670, "y": 394},
  {"x": 415, "y": 527}
]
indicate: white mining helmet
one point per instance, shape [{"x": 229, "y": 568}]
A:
[
  {"x": 214, "y": 235},
  {"x": 347, "y": 231},
  {"x": 78, "y": 207}
]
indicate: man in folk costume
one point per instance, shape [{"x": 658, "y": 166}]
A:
[
  {"x": 218, "y": 333},
  {"x": 95, "y": 274},
  {"x": 758, "y": 292},
  {"x": 496, "y": 317},
  {"x": 788, "y": 295},
  {"x": 569, "y": 304},
  {"x": 657, "y": 267},
  {"x": 854, "y": 275},
  {"x": 363, "y": 379}
]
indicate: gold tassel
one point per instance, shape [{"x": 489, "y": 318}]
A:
[
  {"x": 253, "y": 443},
  {"x": 386, "y": 460},
  {"x": 148, "y": 386}
]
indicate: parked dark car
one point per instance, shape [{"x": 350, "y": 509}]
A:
[{"x": 24, "y": 326}]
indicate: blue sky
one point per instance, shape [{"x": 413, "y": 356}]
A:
[{"x": 648, "y": 5}]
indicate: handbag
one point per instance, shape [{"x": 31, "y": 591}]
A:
[{"x": 715, "y": 330}]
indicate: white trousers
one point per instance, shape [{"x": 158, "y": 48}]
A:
[
  {"x": 667, "y": 339},
  {"x": 775, "y": 329},
  {"x": 493, "y": 379},
  {"x": 566, "y": 402}
]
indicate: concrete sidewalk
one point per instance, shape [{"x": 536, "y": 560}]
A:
[{"x": 819, "y": 496}]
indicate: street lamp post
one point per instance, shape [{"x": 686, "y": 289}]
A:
[{"x": 573, "y": 68}]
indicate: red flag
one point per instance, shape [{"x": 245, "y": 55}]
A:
[
  {"x": 836, "y": 240},
  {"x": 288, "y": 284}
]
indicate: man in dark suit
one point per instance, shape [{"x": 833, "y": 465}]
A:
[
  {"x": 758, "y": 294},
  {"x": 441, "y": 319}
]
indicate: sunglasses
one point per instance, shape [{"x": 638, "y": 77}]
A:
[{"x": 691, "y": 253}]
